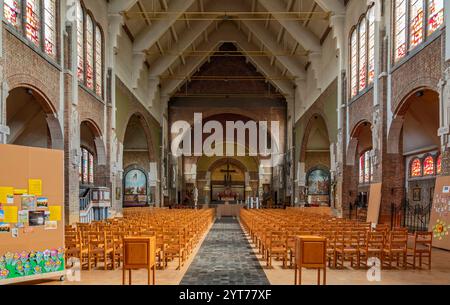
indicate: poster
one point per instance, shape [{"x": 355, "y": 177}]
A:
[
  {"x": 55, "y": 213},
  {"x": 11, "y": 214},
  {"x": 35, "y": 187},
  {"x": 135, "y": 188},
  {"x": 28, "y": 202},
  {"x": 42, "y": 202},
  {"x": 36, "y": 218},
  {"x": 51, "y": 225},
  {"x": 440, "y": 214},
  {"x": 5, "y": 228},
  {"x": 2, "y": 215},
  {"x": 6, "y": 195},
  {"x": 23, "y": 217}
]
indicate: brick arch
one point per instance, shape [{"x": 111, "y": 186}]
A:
[
  {"x": 146, "y": 127},
  {"x": 310, "y": 124},
  {"x": 232, "y": 161},
  {"x": 395, "y": 130},
  {"x": 41, "y": 94},
  {"x": 420, "y": 83},
  {"x": 353, "y": 143},
  {"x": 98, "y": 141}
]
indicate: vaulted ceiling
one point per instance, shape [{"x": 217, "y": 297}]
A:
[{"x": 173, "y": 38}]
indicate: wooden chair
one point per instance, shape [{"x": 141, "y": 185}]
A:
[
  {"x": 347, "y": 249},
  {"x": 276, "y": 247},
  {"x": 100, "y": 249},
  {"x": 396, "y": 247},
  {"x": 373, "y": 247},
  {"x": 421, "y": 248}
]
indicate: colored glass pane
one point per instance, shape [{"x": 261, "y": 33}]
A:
[
  {"x": 80, "y": 42},
  {"x": 416, "y": 23},
  {"x": 98, "y": 62},
  {"x": 400, "y": 28},
  {"x": 354, "y": 63},
  {"x": 435, "y": 15},
  {"x": 32, "y": 21},
  {"x": 428, "y": 166},
  {"x": 362, "y": 55},
  {"x": 50, "y": 27},
  {"x": 416, "y": 168},
  {"x": 439, "y": 165},
  {"x": 371, "y": 46},
  {"x": 11, "y": 12},
  {"x": 89, "y": 53}
]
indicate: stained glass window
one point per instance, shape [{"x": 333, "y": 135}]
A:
[
  {"x": 371, "y": 46},
  {"x": 86, "y": 169},
  {"x": 416, "y": 168},
  {"x": 11, "y": 12},
  {"x": 439, "y": 165},
  {"x": 428, "y": 166},
  {"x": 400, "y": 28},
  {"x": 50, "y": 27},
  {"x": 365, "y": 168},
  {"x": 435, "y": 15},
  {"x": 89, "y": 52},
  {"x": 91, "y": 169},
  {"x": 80, "y": 42},
  {"x": 98, "y": 61},
  {"x": 362, "y": 55},
  {"x": 416, "y": 23},
  {"x": 32, "y": 21},
  {"x": 354, "y": 63}
]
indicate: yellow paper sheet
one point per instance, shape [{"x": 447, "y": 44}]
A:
[
  {"x": 35, "y": 187},
  {"x": 55, "y": 213},
  {"x": 20, "y": 191},
  {"x": 11, "y": 214},
  {"x": 4, "y": 193}
]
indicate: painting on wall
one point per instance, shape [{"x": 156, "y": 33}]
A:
[
  {"x": 135, "y": 188},
  {"x": 319, "y": 187},
  {"x": 417, "y": 194},
  {"x": 319, "y": 182}
]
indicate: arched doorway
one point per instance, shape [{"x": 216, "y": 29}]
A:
[
  {"x": 32, "y": 120},
  {"x": 419, "y": 147},
  {"x": 137, "y": 191},
  {"x": 315, "y": 154}
]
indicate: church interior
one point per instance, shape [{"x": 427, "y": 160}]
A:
[{"x": 239, "y": 142}]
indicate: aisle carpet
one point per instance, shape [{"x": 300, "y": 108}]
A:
[{"x": 225, "y": 258}]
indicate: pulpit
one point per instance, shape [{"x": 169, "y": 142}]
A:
[
  {"x": 310, "y": 252},
  {"x": 139, "y": 253}
]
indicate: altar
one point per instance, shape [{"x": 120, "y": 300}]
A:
[{"x": 228, "y": 210}]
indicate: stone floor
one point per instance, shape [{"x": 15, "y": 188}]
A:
[{"x": 225, "y": 258}]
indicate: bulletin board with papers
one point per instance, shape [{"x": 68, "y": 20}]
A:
[{"x": 31, "y": 214}]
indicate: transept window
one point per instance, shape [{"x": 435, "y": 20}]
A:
[
  {"x": 86, "y": 167},
  {"x": 439, "y": 165},
  {"x": 90, "y": 52},
  {"x": 36, "y": 20},
  {"x": 413, "y": 21},
  {"x": 365, "y": 168},
  {"x": 362, "y": 50}
]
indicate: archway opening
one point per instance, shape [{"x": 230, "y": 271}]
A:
[
  {"x": 420, "y": 148},
  {"x": 136, "y": 164},
  {"x": 31, "y": 120}
]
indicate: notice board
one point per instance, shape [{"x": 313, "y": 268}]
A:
[
  {"x": 440, "y": 214},
  {"x": 31, "y": 219}
]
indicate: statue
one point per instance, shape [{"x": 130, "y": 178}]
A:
[{"x": 195, "y": 196}]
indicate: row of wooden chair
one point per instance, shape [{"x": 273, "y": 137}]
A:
[
  {"x": 177, "y": 233},
  {"x": 273, "y": 232}
]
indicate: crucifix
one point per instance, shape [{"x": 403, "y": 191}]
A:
[{"x": 227, "y": 175}]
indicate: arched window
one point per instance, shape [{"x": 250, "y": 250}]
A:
[
  {"x": 416, "y": 23},
  {"x": 365, "y": 168},
  {"x": 400, "y": 8},
  {"x": 428, "y": 166},
  {"x": 412, "y": 18},
  {"x": 435, "y": 15},
  {"x": 98, "y": 61},
  {"x": 80, "y": 41},
  {"x": 416, "y": 168},
  {"x": 439, "y": 165},
  {"x": 36, "y": 20},
  {"x": 354, "y": 63},
  {"x": 32, "y": 21},
  {"x": 89, "y": 52},
  {"x": 50, "y": 27},
  {"x": 12, "y": 12},
  {"x": 371, "y": 45},
  {"x": 86, "y": 167},
  {"x": 362, "y": 53}
]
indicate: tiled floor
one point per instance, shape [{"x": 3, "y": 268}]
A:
[{"x": 225, "y": 258}]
